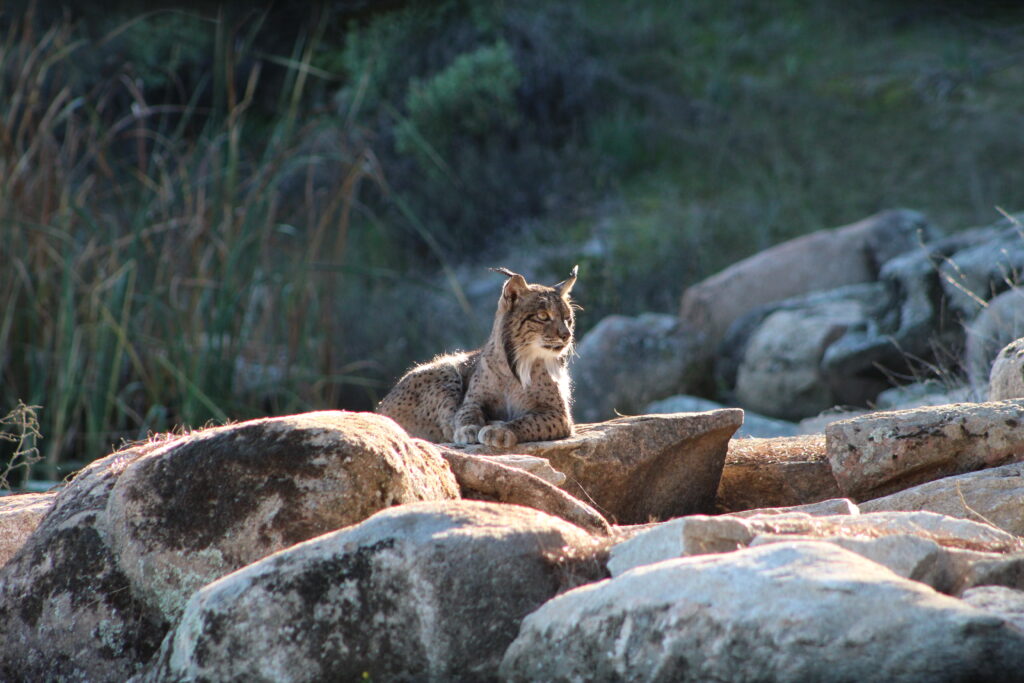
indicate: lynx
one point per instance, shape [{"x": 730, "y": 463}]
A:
[{"x": 514, "y": 388}]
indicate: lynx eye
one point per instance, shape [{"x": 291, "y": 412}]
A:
[{"x": 543, "y": 316}]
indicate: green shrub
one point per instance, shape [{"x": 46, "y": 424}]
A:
[{"x": 474, "y": 97}]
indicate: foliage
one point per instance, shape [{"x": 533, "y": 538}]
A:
[
  {"x": 474, "y": 97},
  {"x": 233, "y": 212}
]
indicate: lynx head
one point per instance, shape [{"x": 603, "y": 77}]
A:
[{"x": 536, "y": 324}]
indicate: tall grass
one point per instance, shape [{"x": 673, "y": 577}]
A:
[{"x": 152, "y": 278}]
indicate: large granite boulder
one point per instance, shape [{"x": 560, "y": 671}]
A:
[
  {"x": 854, "y": 254},
  {"x": 625, "y": 363},
  {"x": 781, "y": 472},
  {"x": 881, "y": 453},
  {"x": 223, "y": 498},
  {"x": 991, "y": 495},
  {"x": 635, "y": 469},
  {"x": 785, "y": 611},
  {"x": 92, "y": 592},
  {"x": 20, "y": 514},
  {"x": 429, "y": 591}
]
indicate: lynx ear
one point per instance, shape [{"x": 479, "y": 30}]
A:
[
  {"x": 565, "y": 286},
  {"x": 514, "y": 286}
]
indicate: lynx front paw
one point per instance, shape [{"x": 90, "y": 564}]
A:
[
  {"x": 467, "y": 434},
  {"x": 497, "y": 436},
  {"x": 448, "y": 432}
]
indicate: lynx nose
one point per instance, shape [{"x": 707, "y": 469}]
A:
[{"x": 563, "y": 332}]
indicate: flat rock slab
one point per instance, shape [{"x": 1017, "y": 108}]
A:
[
  {"x": 878, "y": 454},
  {"x": 994, "y": 495},
  {"x": 19, "y": 516},
  {"x": 779, "y": 472},
  {"x": 642, "y": 468},
  {"x": 782, "y": 612}
]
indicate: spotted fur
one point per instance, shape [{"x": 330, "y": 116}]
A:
[{"x": 514, "y": 388}]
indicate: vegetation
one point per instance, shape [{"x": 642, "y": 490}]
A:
[{"x": 224, "y": 213}]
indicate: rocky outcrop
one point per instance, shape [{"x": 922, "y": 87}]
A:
[
  {"x": 990, "y": 495},
  {"x": 1006, "y": 378},
  {"x": 431, "y": 591},
  {"x": 754, "y": 425},
  {"x": 92, "y": 592},
  {"x": 19, "y": 516},
  {"x": 763, "y": 473},
  {"x": 625, "y": 363},
  {"x": 881, "y": 453},
  {"x": 635, "y": 469},
  {"x": 786, "y": 611},
  {"x": 854, "y": 254}
]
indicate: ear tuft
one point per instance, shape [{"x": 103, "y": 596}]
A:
[
  {"x": 565, "y": 286},
  {"x": 514, "y": 286}
]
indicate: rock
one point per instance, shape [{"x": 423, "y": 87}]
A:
[
  {"x": 784, "y": 612},
  {"x": 487, "y": 478},
  {"x": 1006, "y": 379},
  {"x": 981, "y": 269},
  {"x": 921, "y": 394},
  {"x": 1000, "y": 322},
  {"x": 817, "y": 424},
  {"x": 1005, "y": 571},
  {"x": 780, "y": 373},
  {"x": 1006, "y": 603},
  {"x": 93, "y": 591},
  {"x": 428, "y": 591},
  {"x": 19, "y": 516},
  {"x": 854, "y": 254},
  {"x": 992, "y": 495},
  {"x": 698, "y": 534},
  {"x": 753, "y": 424},
  {"x": 222, "y": 498},
  {"x": 911, "y": 326},
  {"x": 694, "y": 535},
  {"x": 625, "y": 363},
  {"x": 762, "y": 473},
  {"x": 635, "y": 469},
  {"x": 538, "y": 467},
  {"x": 879, "y": 454},
  {"x": 67, "y": 611},
  {"x": 824, "y": 508},
  {"x": 911, "y": 557}
]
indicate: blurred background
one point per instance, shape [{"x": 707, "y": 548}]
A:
[{"x": 214, "y": 212}]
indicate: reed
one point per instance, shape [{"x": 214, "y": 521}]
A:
[{"x": 153, "y": 278}]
